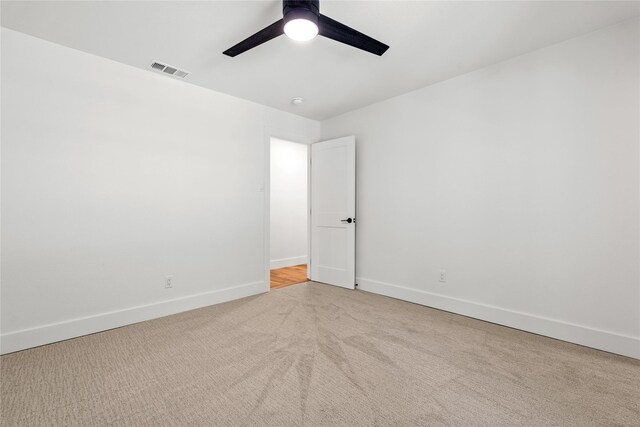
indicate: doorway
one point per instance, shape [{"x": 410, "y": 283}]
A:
[{"x": 288, "y": 181}]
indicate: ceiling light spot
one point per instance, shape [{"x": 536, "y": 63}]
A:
[
  {"x": 297, "y": 101},
  {"x": 301, "y": 30}
]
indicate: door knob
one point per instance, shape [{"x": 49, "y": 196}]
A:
[{"x": 348, "y": 220}]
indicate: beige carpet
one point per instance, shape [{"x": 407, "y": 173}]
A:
[{"x": 314, "y": 354}]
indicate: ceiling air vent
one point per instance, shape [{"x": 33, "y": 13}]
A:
[{"x": 168, "y": 69}]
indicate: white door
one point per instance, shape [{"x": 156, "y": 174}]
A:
[{"x": 333, "y": 211}]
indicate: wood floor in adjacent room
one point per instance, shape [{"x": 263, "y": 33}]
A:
[
  {"x": 315, "y": 355},
  {"x": 287, "y": 276}
]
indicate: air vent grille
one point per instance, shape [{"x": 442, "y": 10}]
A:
[{"x": 168, "y": 69}]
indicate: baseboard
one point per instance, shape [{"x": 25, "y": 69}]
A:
[
  {"x": 47, "y": 334},
  {"x": 578, "y": 334},
  {"x": 287, "y": 262}
]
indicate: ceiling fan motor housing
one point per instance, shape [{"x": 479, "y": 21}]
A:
[{"x": 301, "y": 9}]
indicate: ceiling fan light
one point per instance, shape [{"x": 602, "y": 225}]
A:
[{"x": 301, "y": 30}]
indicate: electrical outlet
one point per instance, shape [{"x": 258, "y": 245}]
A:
[
  {"x": 168, "y": 282},
  {"x": 443, "y": 276}
]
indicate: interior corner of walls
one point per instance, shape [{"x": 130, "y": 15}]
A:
[
  {"x": 577, "y": 334},
  {"x": 47, "y": 334},
  {"x": 286, "y": 125}
]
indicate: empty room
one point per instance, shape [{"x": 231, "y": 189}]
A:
[{"x": 320, "y": 213}]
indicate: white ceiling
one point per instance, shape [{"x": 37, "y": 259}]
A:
[{"x": 430, "y": 42}]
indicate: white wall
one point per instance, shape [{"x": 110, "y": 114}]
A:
[
  {"x": 114, "y": 177},
  {"x": 288, "y": 178},
  {"x": 522, "y": 181}
]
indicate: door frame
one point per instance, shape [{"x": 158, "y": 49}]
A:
[{"x": 271, "y": 132}]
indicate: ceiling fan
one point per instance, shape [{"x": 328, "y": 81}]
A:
[{"x": 302, "y": 21}]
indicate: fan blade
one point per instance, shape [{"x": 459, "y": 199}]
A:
[
  {"x": 271, "y": 32},
  {"x": 339, "y": 32}
]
